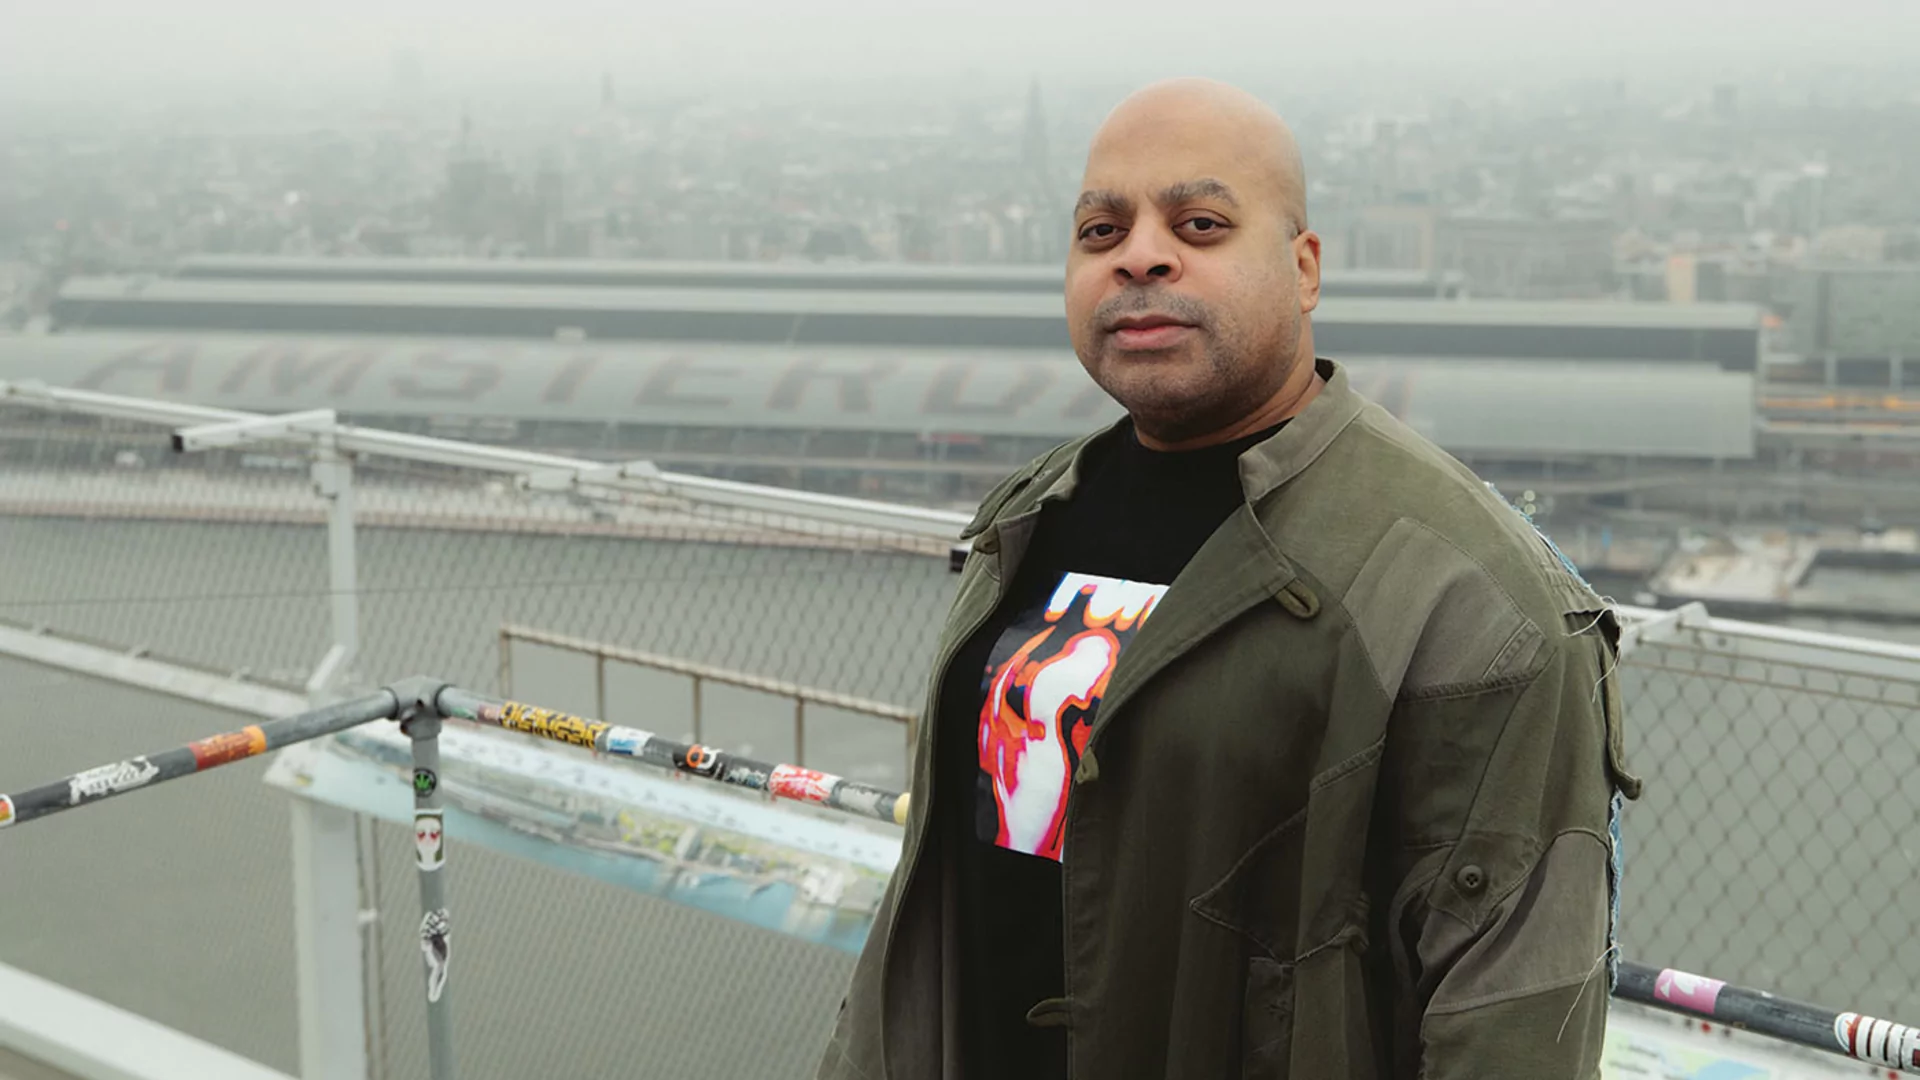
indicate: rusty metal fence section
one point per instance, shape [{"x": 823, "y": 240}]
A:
[
  {"x": 849, "y": 736},
  {"x": 1778, "y": 841}
]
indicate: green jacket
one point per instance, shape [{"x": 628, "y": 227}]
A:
[{"x": 1347, "y": 808}]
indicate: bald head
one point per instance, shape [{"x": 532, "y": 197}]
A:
[
  {"x": 1214, "y": 114},
  {"x": 1192, "y": 270}
]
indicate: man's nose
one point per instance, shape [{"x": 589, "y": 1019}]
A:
[{"x": 1149, "y": 251}]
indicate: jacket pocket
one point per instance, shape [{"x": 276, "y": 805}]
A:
[
  {"x": 1259, "y": 899},
  {"x": 1266, "y": 1020}
]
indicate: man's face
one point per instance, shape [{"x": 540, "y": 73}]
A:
[{"x": 1184, "y": 281}]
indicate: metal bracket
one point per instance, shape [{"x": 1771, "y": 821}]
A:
[
  {"x": 1664, "y": 627},
  {"x": 416, "y": 695},
  {"x": 226, "y": 433},
  {"x": 568, "y": 479}
]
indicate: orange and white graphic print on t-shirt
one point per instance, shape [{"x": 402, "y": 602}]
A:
[{"x": 1046, "y": 676}]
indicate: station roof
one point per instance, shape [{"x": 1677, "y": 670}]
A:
[
  {"x": 1716, "y": 334},
  {"x": 664, "y": 273},
  {"x": 1479, "y": 405},
  {"x": 478, "y": 296}
]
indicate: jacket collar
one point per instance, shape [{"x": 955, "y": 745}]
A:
[{"x": 1268, "y": 464}]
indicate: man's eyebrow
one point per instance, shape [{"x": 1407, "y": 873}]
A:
[
  {"x": 1206, "y": 187},
  {"x": 1112, "y": 202},
  {"x": 1100, "y": 199}
]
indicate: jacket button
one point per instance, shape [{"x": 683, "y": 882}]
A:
[{"x": 1471, "y": 878}]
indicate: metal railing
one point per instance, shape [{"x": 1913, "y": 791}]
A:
[
  {"x": 420, "y": 704},
  {"x": 1777, "y": 760},
  {"x": 412, "y": 703},
  {"x": 698, "y": 677}
]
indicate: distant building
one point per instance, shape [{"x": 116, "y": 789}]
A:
[
  {"x": 1527, "y": 257},
  {"x": 1726, "y": 101},
  {"x": 1861, "y": 322},
  {"x": 1393, "y": 237}
]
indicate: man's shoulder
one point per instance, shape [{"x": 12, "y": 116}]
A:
[{"x": 1434, "y": 566}]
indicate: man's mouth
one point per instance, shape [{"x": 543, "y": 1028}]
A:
[{"x": 1147, "y": 332}]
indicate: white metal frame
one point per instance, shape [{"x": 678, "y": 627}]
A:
[
  {"x": 91, "y": 1040},
  {"x": 1691, "y": 624},
  {"x": 207, "y": 427}
]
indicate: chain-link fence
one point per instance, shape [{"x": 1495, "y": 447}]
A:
[
  {"x": 447, "y": 556},
  {"x": 176, "y": 904},
  {"x": 561, "y": 976},
  {"x": 105, "y": 534},
  {"x": 1778, "y": 842},
  {"x": 1775, "y": 845}
]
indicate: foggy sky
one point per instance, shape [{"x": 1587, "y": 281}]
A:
[{"x": 53, "y": 48}]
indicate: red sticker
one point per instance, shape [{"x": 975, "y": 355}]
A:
[
  {"x": 6, "y": 811},
  {"x": 803, "y": 785}
]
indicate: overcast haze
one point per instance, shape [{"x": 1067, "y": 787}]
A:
[{"x": 87, "y": 49}]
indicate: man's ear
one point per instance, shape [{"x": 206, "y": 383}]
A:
[{"x": 1306, "y": 258}]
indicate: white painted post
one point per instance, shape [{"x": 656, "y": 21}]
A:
[
  {"x": 333, "y": 480},
  {"x": 329, "y": 958},
  {"x": 330, "y": 951}
]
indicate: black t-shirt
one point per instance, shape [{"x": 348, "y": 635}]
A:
[{"x": 1016, "y": 708}]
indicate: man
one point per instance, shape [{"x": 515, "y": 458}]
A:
[{"x": 1265, "y": 740}]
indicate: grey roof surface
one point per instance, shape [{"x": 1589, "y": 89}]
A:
[
  {"x": 1471, "y": 405},
  {"x": 1340, "y": 309},
  {"x": 885, "y": 276}
]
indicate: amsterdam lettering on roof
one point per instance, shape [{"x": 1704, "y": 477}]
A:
[
  {"x": 1032, "y": 393},
  {"x": 1524, "y": 407}
]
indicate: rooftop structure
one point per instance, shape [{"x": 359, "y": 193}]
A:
[
  {"x": 1467, "y": 404},
  {"x": 1722, "y": 335},
  {"x": 680, "y": 274}
]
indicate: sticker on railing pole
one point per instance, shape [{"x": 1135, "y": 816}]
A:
[
  {"x": 627, "y": 741},
  {"x": 110, "y": 780},
  {"x": 1881, "y": 1041},
  {"x": 424, "y": 783},
  {"x": 546, "y": 723},
  {"x": 430, "y": 838},
  {"x": 229, "y": 747},
  {"x": 1694, "y": 992},
  {"x": 6, "y": 811},
  {"x": 700, "y": 760},
  {"x": 433, "y": 944},
  {"x": 801, "y": 785}
]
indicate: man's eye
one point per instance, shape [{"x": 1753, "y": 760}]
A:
[
  {"x": 1205, "y": 224},
  {"x": 1101, "y": 231}
]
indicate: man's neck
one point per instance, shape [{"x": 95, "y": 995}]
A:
[{"x": 1293, "y": 396}]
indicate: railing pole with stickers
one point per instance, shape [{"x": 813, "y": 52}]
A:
[
  {"x": 134, "y": 774},
  {"x": 1882, "y": 1042},
  {"x": 411, "y": 701},
  {"x": 782, "y": 781},
  {"x": 420, "y": 705},
  {"x": 420, "y": 721}
]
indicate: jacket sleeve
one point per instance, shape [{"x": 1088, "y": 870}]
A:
[{"x": 1506, "y": 933}]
